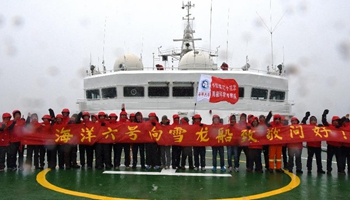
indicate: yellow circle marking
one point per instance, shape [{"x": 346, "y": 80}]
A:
[
  {"x": 41, "y": 179},
  {"x": 294, "y": 182}
]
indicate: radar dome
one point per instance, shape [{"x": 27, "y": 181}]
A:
[
  {"x": 197, "y": 61},
  {"x": 128, "y": 62}
]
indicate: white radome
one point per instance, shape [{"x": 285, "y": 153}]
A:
[
  {"x": 128, "y": 62},
  {"x": 198, "y": 61}
]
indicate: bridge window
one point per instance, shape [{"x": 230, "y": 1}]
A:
[
  {"x": 109, "y": 92},
  {"x": 93, "y": 94},
  {"x": 277, "y": 95},
  {"x": 241, "y": 92},
  {"x": 134, "y": 91},
  {"x": 158, "y": 89},
  {"x": 259, "y": 94},
  {"x": 183, "y": 89}
]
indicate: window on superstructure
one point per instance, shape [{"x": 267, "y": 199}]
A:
[
  {"x": 259, "y": 94},
  {"x": 241, "y": 92},
  {"x": 134, "y": 91},
  {"x": 93, "y": 94},
  {"x": 183, "y": 89},
  {"x": 277, "y": 95},
  {"x": 108, "y": 93},
  {"x": 158, "y": 91}
]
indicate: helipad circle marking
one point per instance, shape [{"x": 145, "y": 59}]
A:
[{"x": 41, "y": 179}]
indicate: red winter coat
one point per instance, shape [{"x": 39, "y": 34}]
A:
[
  {"x": 17, "y": 131},
  {"x": 5, "y": 135}
]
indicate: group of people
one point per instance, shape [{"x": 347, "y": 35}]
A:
[{"x": 153, "y": 156}]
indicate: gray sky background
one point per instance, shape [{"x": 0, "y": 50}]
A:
[{"x": 45, "y": 46}]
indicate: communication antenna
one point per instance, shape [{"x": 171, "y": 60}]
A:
[
  {"x": 228, "y": 27},
  {"x": 104, "y": 42},
  {"x": 141, "y": 50},
  {"x": 211, "y": 12},
  {"x": 271, "y": 30}
]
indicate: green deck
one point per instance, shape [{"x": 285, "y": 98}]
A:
[{"x": 242, "y": 185}]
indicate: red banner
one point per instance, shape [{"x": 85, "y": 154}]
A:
[{"x": 182, "y": 135}]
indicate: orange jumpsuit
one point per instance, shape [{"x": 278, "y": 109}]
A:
[{"x": 275, "y": 151}]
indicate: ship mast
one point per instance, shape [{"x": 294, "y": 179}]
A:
[{"x": 187, "y": 39}]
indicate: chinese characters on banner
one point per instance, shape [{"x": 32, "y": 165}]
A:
[
  {"x": 183, "y": 135},
  {"x": 213, "y": 89}
]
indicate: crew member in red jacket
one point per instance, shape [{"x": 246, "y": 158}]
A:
[
  {"x": 32, "y": 125},
  {"x": 255, "y": 149},
  {"x": 138, "y": 146},
  {"x": 313, "y": 148},
  {"x": 176, "y": 150},
  {"x": 15, "y": 143},
  {"x": 216, "y": 149},
  {"x": 5, "y": 138},
  {"x": 102, "y": 151},
  {"x": 295, "y": 150},
  {"x": 198, "y": 151},
  {"x": 152, "y": 149},
  {"x": 119, "y": 147},
  {"x": 87, "y": 150},
  {"x": 333, "y": 148},
  {"x": 187, "y": 151}
]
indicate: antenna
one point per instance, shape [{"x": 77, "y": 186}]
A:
[
  {"x": 104, "y": 41},
  {"x": 228, "y": 27},
  {"x": 141, "y": 50},
  {"x": 211, "y": 10},
  {"x": 271, "y": 30}
]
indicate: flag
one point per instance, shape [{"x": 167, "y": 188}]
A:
[{"x": 213, "y": 89}]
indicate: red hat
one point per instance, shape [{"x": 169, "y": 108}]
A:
[
  {"x": 46, "y": 117},
  {"x": 113, "y": 115},
  {"x": 101, "y": 113},
  {"x": 294, "y": 118},
  {"x": 59, "y": 116},
  {"x": 86, "y": 114},
  {"x": 334, "y": 118},
  {"x": 123, "y": 113},
  {"x": 5, "y": 115},
  {"x": 65, "y": 110},
  {"x": 254, "y": 118},
  {"x": 216, "y": 116},
  {"x": 132, "y": 115},
  {"x": 197, "y": 116},
  {"x": 176, "y": 116},
  {"x": 277, "y": 116},
  {"x": 152, "y": 114}
]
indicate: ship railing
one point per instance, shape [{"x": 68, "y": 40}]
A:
[{"x": 175, "y": 68}]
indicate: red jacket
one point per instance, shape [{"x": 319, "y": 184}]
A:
[
  {"x": 16, "y": 132},
  {"x": 5, "y": 135}
]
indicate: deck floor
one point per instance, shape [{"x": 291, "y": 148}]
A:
[{"x": 171, "y": 184}]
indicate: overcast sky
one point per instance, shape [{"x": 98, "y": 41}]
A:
[{"x": 45, "y": 46}]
